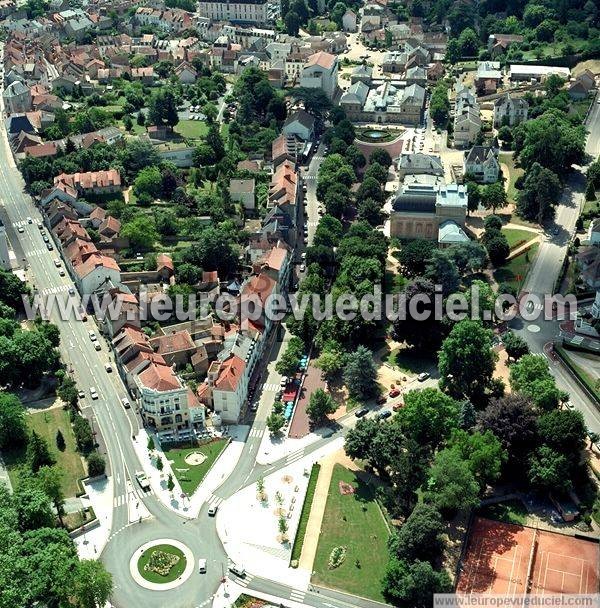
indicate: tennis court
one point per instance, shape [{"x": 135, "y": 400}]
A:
[{"x": 508, "y": 559}]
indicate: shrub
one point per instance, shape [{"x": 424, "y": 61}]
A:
[{"x": 96, "y": 464}]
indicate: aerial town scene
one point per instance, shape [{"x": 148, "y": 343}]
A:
[{"x": 299, "y": 303}]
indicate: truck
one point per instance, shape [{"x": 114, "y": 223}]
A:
[{"x": 142, "y": 479}]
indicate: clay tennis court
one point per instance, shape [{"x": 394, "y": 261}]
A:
[{"x": 508, "y": 559}]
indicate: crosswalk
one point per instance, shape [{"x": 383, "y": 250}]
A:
[
  {"x": 297, "y": 596},
  {"x": 38, "y": 253},
  {"x": 271, "y": 386},
  {"x": 20, "y": 223},
  {"x": 120, "y": 500},
  {"x": 242, "y": 582},
  {"x": 214, "y": 501},
  {"x": 54, "y": 290},
  {"x": 294, "y": 456},
  {"x": 311, "y": 177},
  {"x": 256, "y": 433}
]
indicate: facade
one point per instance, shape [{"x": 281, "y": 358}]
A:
[
  {"x": 243, "y": 191},
  {"x": 349, "y": 21},
  {"x": 321, "y": 72},
  {"x": 17, "y": 97},
  {"x": 4, "y": 255},
  {"x": 238, "y": 11},
  {"x": 481, "y": 162},
  {"x": 510, "y": 110},
  {"x": 301, "y": 124},
  {"x": 419, "y": 163}
]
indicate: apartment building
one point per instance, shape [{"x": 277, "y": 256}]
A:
[{"x": 250, "y": 11}]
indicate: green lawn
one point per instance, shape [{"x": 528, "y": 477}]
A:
[
  {"x": 515, "y": 270},
  {"x": 191, "y": 129},
  {"x": 516, "y": 237},
  {"x": 306, "y": 507},
  {"x": 513, "y": 174},
  {"x": 584, "y": 376},
  {"x": 353, "y": 521},
  {"x": 154, "y": 577},
  {"x": 189, "y": 476},
  {"x": 46, "y": 423},
  {"x": 510, "y": 512}
]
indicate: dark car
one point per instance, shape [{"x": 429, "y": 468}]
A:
[
  {"x": 384, "y": 415},
  {"x": 381, "y": 400},
  {"x": 363, "y": 411}
]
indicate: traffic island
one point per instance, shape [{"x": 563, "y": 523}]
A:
[{"x": 161, "y": 564}]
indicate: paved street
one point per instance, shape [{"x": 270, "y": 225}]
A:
[{"x": 546, "y": 267}]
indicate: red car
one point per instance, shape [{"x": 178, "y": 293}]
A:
[
  {"x": 394, "y": 392},
  {"x": 381, "y": 400}
]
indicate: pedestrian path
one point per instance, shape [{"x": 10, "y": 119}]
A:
[
  {"x": 256, "y": 433},
  {"x": 214, "y": 501},
  {"x": 270, "y": 387},
  {"x": 297, "y": 596},
  {"x": 54, "y": 290},
  {"x": 242, "y": 581}
]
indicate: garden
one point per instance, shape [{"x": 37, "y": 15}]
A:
[
  {"x": 352, "y": 551},
  {"x": 162, "y": 564}
]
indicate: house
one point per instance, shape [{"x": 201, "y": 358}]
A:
[
  {"x": 92, "y": 182},
  {"x": 510, "y": 110},
  {"x": 450, "y": 233},
  {"x": 186, "y": 73},
  {"x": 588, "y": 260},
  {"x": 583, "y": 86},
  {"x": 240, "y": 11},
  {"x": 482, "y": 163},
  {"x": 394, "y": 62},
  {"x": 349, "y": 22},
  {"x": 321, "y": 72},
  {"x": 243, "y": 191},
  {"x": 593, "y": 236},
  {"x": 18, "y": 123},
  {"x": 498, "y": 44},
  {"x": 285, "y": 148},
  {"x": 466, "y": 127},
  {"x": 361, "y": 73},
  {"x": 17, "y": 98},
  {"x": 301, "y": 124},
  {"x": 175, "y": 348},
  {"x": 488, "y": 77},
  {"x": 226, "y": 388},
  {"x": 144, "y": 75},
  {"x": 416, "y": 75},
  {"x": 521, "y": 73},
  {"x": 419, "y": 163}
]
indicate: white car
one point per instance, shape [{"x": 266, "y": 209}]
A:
[
  {"x": 57, "y": 263},
  {"x": 125, "y": 403},
  {"x": 108, "y": 367},
  {"x": 93, "y": 393},
  {"x": 92, "y": 335},
  {"x": 20, "y": 230},
  {"x": 202, "y": 566},
  {"x": 80, "y": 394}
]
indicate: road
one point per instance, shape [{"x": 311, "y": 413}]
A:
[
  {"x": 545, "y": 270},
  {"x": 311, "y": 203}
]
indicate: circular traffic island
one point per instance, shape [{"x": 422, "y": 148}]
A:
[{"x": 162, "y": 564}]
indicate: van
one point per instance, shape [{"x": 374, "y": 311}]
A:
[
  {"x": 237, "y": 570},
  {"x": 202, "y": 566}
]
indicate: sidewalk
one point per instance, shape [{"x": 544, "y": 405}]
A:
[
  {"x": 273, "y": 449},
  {"x": 190, "y": 505},
  {"x": 313, "y": 527},
  {"x": 99, "y": 495},
  {"x": 254, "y": 541}
]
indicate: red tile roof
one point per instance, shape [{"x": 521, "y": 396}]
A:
[
  {"x": 160, "y": 378},
  {"x": 231, "y": 372}
]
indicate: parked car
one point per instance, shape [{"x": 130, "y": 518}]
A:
[
  {"x": 20, "y": 230},
  {"x": 363, "y": 411},
  {"x": 108, "y": 367},
  {"x": 57, "y": 263},
  {"x": 81, "y": 394},
  {"x": 71, "y": 291},
  {"x": 212, "y": 511},
  {"x": 49, "y": 246},
  {"x": 384, "y": 415},
  {"x": 29, "y": 220},
  {"x": 92, "y": 335},
  {"x": 394, "y": 392},
  {"x": 93, "y": 393},
  {"x": 422, "y": 376},
  {"x": 61, "y": 273},
  {"x": 381, "y": 400},
  {"x": 238, "y": 570},
  {"x": 97, "y": 346},
  {"x": 125, "y": 403}
]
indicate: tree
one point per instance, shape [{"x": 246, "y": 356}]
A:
[
  {"x": 360, "y": 373},
  {"x": 513, "y": 420},
  {"x": 13, "y": 428},
  {"x": 515, "y": 346},
  {"x": 337, "y": 13},
  {"x": 467, "y": 360},
  {"x": 439, "y": 106},
  {"x": 51, "y": 482},
  {"x": 137, "y": 154},
  {"x": 320, "y": 405},
  {"x": 428, "y": 417},
  {"x": 590, "y": 191},
  {"x": 493, "y": 196},
  {"x": 96, "y": 464},
  {"x": 213, "y": 251},
  {"x": 468, "y": 257},
  {"x": 170, "y": 483},
  {"x": 215, "y": 141},
  {"x": 163, "y": 108},
  {"x": 148, "y": 182},
  {"x": 451, "y": 487},
  {"x": 414, "y": 256},
  {"x": 564, "y": 431},
  {"x": 468, "y": 43},
  {"x": 466, "y": 416},
  {"x": 413, "y": 585},
  {"x": 505, "y": 134},
  {"x": 442, "y": 270},
  {"x": 497, "y": 247},
  {"x": 60, "y": 441},
  {"x": 377, "y": 172},
  {"x": 420, "y": 537},
  {"x": 538, "y": 197},
  {"x": 548, "y": 470},
  {"x": 275, "y": 423},
  {"x": 331, "y": 360},
  {"x": 381, "y": 157},
  {"x": 287, "y": 365},
  {"x": 32, "y": 506},
  {"x": 483, "y": 453},
  {"x": 83, "y": 434},
  {"x": 492, "y": 222},
  {"x": 531, "y": 376},
  {"x": 141, "y": 233},
  {"x": 38, "y": 453},
  {"x": 92, "y": 584},
  {"x": 67, "y": 390}
]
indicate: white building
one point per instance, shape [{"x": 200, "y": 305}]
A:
[
  {"x": 510, "y": 110},
  {"x": 321, "y": 72},
  {"x": 482, "y": 164},
  {"x": 97, "y": 270},
  {"x": 17, "y": 98},
  {"x": 536, "y": 72},
  {"x": 255, "y": 11}
]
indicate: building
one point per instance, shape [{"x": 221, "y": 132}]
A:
[
  {"x": 488, "y": 77},
  {"x": 249, "y": 11},
  {"x": 17, "y": 97},
  {"x": 520, "y": 73},
  {"x": 243, "y": 191},
  {"x": 420, "y": 210},
  {"x": 499, "y": 43},
  {"x": 301, "y": 124},
  {"x": 510, "y": 110},
  {"x": 4, "y": 255},
  {"x": 226, "y": 389},
  {"x": 349, "y": 22},
  {"x": 482, "y": 163},
  {"x": 419, "y": 163},
  {"x": 321, "y": 72},
  {"x": 91, "y": 182},
  {"x": 361, "y": 73},
  {"x": 467, "y": 121}
]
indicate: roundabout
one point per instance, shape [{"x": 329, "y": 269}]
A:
[{"x": 161, "y": 564}]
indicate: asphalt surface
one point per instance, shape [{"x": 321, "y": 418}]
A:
[{"x": 545, "y": 270}]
